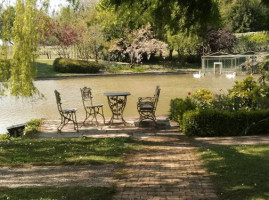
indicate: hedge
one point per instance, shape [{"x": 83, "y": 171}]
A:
[
  {"x": 66, "y": 65},
  {"x": 207, "y": 123},
  {"x": 178, "y": 107}
]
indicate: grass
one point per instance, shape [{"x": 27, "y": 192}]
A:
[
  {"x": 52, "y": 193},
  {"x": 82, "y": 151},
  {"x": 45, "y": 67},
  {"x": 64, "y": 151},
  {"x": 239, "y": 172},
  {"x": 119, "y": 68}
]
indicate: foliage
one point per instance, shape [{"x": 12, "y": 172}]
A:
[
  {"x": 208, "y": 123},
  {"x": 26, "y": 37},
  {"x": 252, "y": 42},
  {"x": 241, "y": 16},
  {"x": 31, "y": 128},
  {"x": 179, "y": 106},
  {"x": 118, "y": 68},
  {"x": 202, "y": 98},
  {"x": 220, "y": 41},
  {"x": 183, "y": 43},
  {"x": 259, "y": 38},
  {"x": 137, "y": 44},
  {"x": 7, "y": 18},
  {"x": 64, "y": 151},
  {"x": 168, "y": 15},
  {"x": 238, "y": 172},
  {"x": 4, "y": 73},
  {"x": 247, "y": 92},
  {"x": 91, "y": 43},
  {"x": 4, "y": 137},
  {"x": 53, "y": 193},
  {"x": 224, "y": 102},
  {"x": 263, "y": 69},
  {"x": 65, "y": 65},
  {"x": 64, "y": 35}
]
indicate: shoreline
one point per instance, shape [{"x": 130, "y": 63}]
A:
[{"x": 112, "y": 74}]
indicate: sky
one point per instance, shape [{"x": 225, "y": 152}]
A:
[{"x": 54, "y": 4}]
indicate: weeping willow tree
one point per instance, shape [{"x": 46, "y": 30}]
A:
[
  {"x": 25, "y": 38},
  {"x": 6, "y": 23}
]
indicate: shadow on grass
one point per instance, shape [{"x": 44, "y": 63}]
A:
[
  {"x": 45, "y": 68},
  {"x": 64, "y": 151},
  {"x": 49, "y": 193},
  {"x": 239, "y": 172}
]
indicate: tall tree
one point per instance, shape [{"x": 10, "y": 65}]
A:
[{"x": 169, "y": 14}]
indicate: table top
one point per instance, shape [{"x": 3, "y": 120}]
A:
[{"x": 117, "y": 93}]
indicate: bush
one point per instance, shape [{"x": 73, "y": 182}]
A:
[
  {"x": 207, "y": 123},
  {"x": 4, "y": 136},
  {"x": 179, "y": 107},
  {"x": 31, "y": 128},
  {"x": 65, "y": 65}
]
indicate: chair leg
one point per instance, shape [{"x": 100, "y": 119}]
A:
[
  {"x": 95, "y": 116},
  {"x": 75, "y": 121},
  {"x": 102, "y": 113}
]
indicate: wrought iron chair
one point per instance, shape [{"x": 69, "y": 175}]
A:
[
  {"x": 146, "y": 106},
  {"x": 91, "y": 110},
  {"x": 66, "y": 114}
]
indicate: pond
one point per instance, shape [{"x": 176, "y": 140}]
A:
[{"x": 15, "y": 111}]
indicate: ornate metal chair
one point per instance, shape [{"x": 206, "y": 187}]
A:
[
  {"x": 146, "y": 106},
  {"x": 66, "y": 114},
  {"x": 91, "y": 110}
]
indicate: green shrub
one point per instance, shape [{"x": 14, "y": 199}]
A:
[
  {"x": 179, "y": 106},
  {"x": 247, "y": 91},
  {"x": 224, "y": 123},
  {"x": 65, "y": 65},
  {"x": 252, "y": 42},
  {"x": 31, "y": 128},
  {"x": 4, "y": 136}
]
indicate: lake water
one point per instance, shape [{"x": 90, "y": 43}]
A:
[{"x": 15, "y": 111}]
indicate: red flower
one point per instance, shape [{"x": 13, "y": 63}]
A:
[{"x": 189, "y": 93}]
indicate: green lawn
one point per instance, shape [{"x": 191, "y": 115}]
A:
[
  {"x": 82, "y": 151},
  {"x": 45, "y": 69},
  {"x": 64, "y": 151},
  {"x": 239, "y": 172},
  {"x": 53, "y": 193}
]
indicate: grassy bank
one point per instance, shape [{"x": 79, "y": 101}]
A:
[
  {"x": 238, "y": 172},
  {"x": 64, "y": 151},
  {"x": 45, "y": 68}
]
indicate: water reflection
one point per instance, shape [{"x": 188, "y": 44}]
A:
[{"x": 14, "y": 111}]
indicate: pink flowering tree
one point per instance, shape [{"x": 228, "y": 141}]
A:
[{"x": 138, "y": 44}]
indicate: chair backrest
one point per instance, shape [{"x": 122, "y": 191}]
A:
[
  {"x": 58, "y": 101},
  {"x": 86, "y": 94},
  {"x": 156, "y": 96}
]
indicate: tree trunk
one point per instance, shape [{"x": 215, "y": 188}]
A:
[
  {"x": 171, "y": 54},
  {"x": 161, "y": 54},
  {"x": 178, "y": 54},
  {"x": 96, "y": 55}
]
